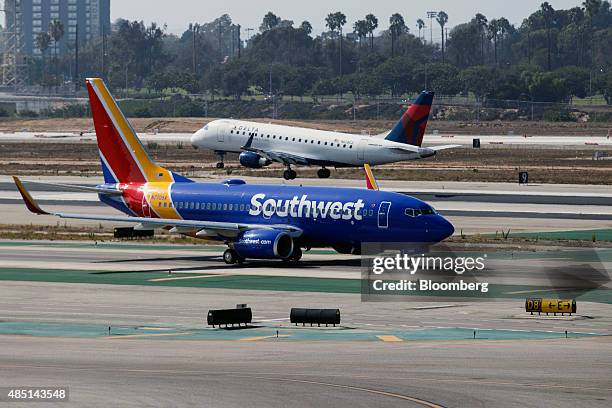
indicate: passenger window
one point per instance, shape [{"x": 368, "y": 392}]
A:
[
  {"x": 241, "y": 207},
  {"x": 319, "y": 142},
  {"x": 165, "y": 204},
  {"x": 230, "y": 207},
  {"x": 191, "y": 205},
  {"x": 214, "y": 206},
  {"x": 224, "y": 207},
  {"x": 231, "y": 131},
  {"x": 293, "y": 140},
  {"x": 325, "y": 143},
  {"x": 197, "y": 206},
  {"x": 208, "y": 206},
  {"x": 371, "y": 213}
]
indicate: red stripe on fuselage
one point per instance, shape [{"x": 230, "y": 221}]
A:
[{"x": 110, "y": 143}]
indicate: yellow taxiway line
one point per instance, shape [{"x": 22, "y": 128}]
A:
[
  {"x": 392, "y": 339},
  {"x": 263, "y": 337}
]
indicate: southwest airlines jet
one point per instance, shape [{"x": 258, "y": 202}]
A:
[
  {"x": 255, "y": 221},
  {"x": 260, "y": 144}
]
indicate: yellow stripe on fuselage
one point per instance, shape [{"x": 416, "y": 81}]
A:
[
  {"x": 158, "y": 197},
  {"x": 153, "y": 172}
]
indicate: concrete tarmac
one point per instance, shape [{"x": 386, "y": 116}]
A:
[{"x": 156, "y": 371}]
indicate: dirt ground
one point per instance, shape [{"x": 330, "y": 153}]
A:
[
  {"x": 499, "y": 164},
  {"x": 189, "y": 125}
]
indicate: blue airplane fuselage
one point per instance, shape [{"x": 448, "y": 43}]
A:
[{"x": 328, "y": 216}]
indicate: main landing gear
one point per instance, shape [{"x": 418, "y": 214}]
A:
[
  {"x": 289, "y": 174},
  {"x": 220, "y": 164},
  {"x": 230, "y": 257},
  {"x": 323, "y": 173}
]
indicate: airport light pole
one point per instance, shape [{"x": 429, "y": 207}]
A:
[{"x": 431, "y": 15}]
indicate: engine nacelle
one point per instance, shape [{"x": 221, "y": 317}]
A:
[
  {"x": 253, "y": 160},
  {"x": 264, "y": 244}
]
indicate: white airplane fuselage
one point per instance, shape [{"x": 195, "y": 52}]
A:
[{"x": 315, "y": 147}]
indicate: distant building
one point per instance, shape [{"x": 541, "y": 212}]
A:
[{"x": 92, "y": 17}]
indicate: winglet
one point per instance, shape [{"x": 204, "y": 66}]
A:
[
  {"x": 371, "y": 182},
  {"x": 27, "y": 198}
]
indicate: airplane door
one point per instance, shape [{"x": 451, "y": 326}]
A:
[
  {"x": 363, "y": 143},
  {"x": 220, "y": 135},
  {"x": 383, "y": 214}
]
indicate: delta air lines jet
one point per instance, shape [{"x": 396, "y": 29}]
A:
[
  {"x": 260, "y": 144},
  {"x": 256, "y": 221}
]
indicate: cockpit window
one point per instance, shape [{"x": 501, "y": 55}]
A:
[
  {"x": 206, "y": 127},
  {"x": 409, "y": 212},
  {"x": 428, "y": 211}
]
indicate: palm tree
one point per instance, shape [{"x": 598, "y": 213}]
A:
[
  {"x": 56, "y": 30},
  {"x": 481, "y": 22},
  {"x": 504, "y": 28},
  {"x": 492, "y": 33},
  {"x": 396, "y": 26},
  {"x": 548, "y": 13},
  {"x": 372, "y": 25},
  {"x": 420, "y": 25},
  {"x": 43, "y": 40},
  {"x": 335, "y": 21},
  {"x": 591, "y": 7},
  {"x": 306, "y": 27},
  {"x": 442, "y": 19},
  {"x": 361, "y": 29}
]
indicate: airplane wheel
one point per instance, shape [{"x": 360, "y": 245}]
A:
[
  {"x": 220, "y": 165},
  {"x": 289, "y": 174},
  {"x": 297, "y": 254},
  {"x": 231, "y": 257},
  {"x": 323, "y": 173}
]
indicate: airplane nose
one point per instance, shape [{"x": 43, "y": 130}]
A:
[
  {"x": 195, "y": 138},
  {"x": 441, "y": 229}
]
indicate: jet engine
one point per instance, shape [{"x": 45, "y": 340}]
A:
[
  {"x": 253, "y": 160},
  {"x": 264, "y": 244}
]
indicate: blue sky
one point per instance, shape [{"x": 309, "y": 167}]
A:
[{"x": 178, "y": 13}]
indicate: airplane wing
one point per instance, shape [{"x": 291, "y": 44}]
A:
[
  {"x": 443, "y": 147},
  {"x": 280, "y": 157},
  {"x": 221, "y": 228}
]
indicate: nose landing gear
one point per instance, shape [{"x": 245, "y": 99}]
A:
[{"x": 220, "y": 164}]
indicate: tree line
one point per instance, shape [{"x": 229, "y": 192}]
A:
[{"x": 553, "y": 55}]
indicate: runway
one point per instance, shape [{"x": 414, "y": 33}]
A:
[
  {"x": 430, "y": 139},
  {"x": 471, "y": 207}
]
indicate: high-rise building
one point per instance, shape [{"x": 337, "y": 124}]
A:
[{"x": 89, "y": 18}]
